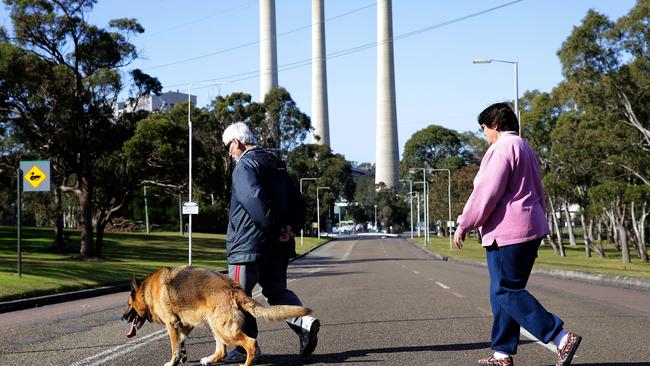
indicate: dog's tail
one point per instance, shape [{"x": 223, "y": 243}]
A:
[{"x": 270, "y": 313}]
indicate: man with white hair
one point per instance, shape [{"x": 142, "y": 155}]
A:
[{"x": 265, "y": 206}]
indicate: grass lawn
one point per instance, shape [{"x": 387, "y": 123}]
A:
[
  {"x": 575, "y": 259},
  {"x": 125, "y": 253}
]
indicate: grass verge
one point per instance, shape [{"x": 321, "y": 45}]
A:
[
  {"x": 575, "y": 259},
  {"x": 44, "y": 272}
]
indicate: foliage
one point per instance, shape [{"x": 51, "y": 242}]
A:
[
  {"x": 332, "y": 170},
  {"x": 61, "y": 76}
]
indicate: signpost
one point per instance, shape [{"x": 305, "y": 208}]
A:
[
  {"x": 190, "y": 208},
  {"x": 35, "y": 176}
]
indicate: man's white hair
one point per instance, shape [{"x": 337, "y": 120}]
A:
[{"x": 238, "y": 131}]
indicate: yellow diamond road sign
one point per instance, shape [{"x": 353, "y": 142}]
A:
[{"x": 35, "y": 176}]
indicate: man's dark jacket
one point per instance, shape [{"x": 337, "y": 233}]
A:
[{"x": 264, "y": 199}]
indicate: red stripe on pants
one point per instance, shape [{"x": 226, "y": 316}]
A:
[{"x": 237, "y": 268}]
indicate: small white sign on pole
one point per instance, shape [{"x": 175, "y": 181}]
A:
[
  {"x": 451, "y": 224},
  {"x": 190, "y": 208}
]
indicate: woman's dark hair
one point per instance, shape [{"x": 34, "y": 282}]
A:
[{"x": 499, "y": 116}]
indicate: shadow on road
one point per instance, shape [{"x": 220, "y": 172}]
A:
[{"x": 615, "y": 364}]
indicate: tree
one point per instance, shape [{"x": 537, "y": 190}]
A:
[
  {"x": 607, "y": 68},
  {"x": 435, "y": 147},
  {"x": 286, "y": 126},
  {"x": 332, "y": 170},
  {"x": 61, "y": 77}
]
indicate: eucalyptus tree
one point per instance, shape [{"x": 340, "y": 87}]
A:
[
  {"x": 332, "y": 170},
  {"x": 607, "y": 69},
  {"x": 61, "y": 76}
]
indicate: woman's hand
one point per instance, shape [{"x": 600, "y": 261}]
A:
[{"x": 458, "y": 239}]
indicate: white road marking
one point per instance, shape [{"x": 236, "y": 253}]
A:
[
  {"x": 416, "y": 272},
  {"x": 442, "y": 285},
  {"x": 347, "y": 254},
  {"x": 121, "y": 349},
  {"x": 480, "y": 309},
  {"x": 457, "y": 295}
]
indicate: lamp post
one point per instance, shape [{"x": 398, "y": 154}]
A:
[
  {"x": 376, "y": 219},
  {"x": 516, "y": 101},
  {"x": 410, "y": 201},
  {"x": 425, "y": 197},
  {"x": 318, "y": 209},
  {"x": 417, "y": 199},
  {"x": 451, "y": 247},
  {"x": 302, "y": 229},
  {"x": 189, "y": 183}
]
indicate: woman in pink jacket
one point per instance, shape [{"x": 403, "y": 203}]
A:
[{"x": 507, "y": 206}]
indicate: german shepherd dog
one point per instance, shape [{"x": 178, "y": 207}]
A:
[{"x": 183, "y": 297}]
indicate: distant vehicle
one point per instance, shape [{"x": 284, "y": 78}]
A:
[{"x": 346, "y": 227}]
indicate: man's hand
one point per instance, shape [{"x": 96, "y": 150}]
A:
[
  {"x": 458, "y": 239},
  {"x": 286, "y": 234}
]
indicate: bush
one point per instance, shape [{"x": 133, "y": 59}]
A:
[{"x": 211, "y": 219}]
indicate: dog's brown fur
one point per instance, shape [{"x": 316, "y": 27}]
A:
[{"x": 184, "y": 297}]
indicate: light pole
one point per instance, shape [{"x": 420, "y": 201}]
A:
[
  {"x": 189, "y": 183},
  {"x": 417, "y": 199},
  {"x": 451, "y": 247},
  {"x": 516, "y": 101},
  {"x": 302, "y": 229},
  {"x": 425, "y": 197},
  {"x": 376, "y": 219},
  {"x": 410, "y": 201},
  {"x": 318, "y": 209}
]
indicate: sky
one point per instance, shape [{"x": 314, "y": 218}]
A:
[{"x": 216, "y": 42}]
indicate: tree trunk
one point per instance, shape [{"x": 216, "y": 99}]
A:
[
  {"x": 640, "y": 242},
  {"x": 644, "y": 215},
  {"x": 586, "y": 235},
  {"x": 557, "y": 228},
  {"x": 58, "y": 245},
  {"x": 569, "y": 225},
  {"x": 99, "y": 236},
  {"x": 622, "y": 235},
  {"x": 180, "y": 214},
  {"x": 86, "y": 217}
]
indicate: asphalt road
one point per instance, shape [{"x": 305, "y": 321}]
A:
[{"x": 380, "y": 301}]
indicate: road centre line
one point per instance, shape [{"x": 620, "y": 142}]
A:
[
  {"x": 416, "y": 272},
  {"x": 457, "y": 295},
  {"x": 347, "y": 254},
  {"x": 442, "y": 285}
]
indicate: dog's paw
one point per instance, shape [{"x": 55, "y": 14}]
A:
[{"x": 206, "y": 361}]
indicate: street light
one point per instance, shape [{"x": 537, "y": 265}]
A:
[
  {"x": 376, "y": 219},
  {"x": 189, "y": 183},
  {"x": 302, "y": 229},
  {"x": 410, "y": 201},
  {"x": 516, "y": 101},
  {"x": 318, "y": 210},
  {"x": 449, "y": 201},
  {"x": 425, "y": 197}
]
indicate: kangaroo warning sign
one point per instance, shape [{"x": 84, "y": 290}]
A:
[{"x": 36, "y": 175}]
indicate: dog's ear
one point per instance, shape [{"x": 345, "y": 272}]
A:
[{"x": 134, "y": 283}]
